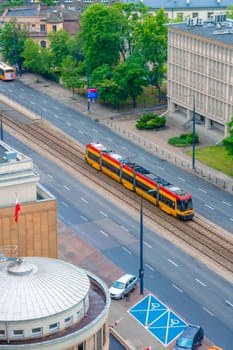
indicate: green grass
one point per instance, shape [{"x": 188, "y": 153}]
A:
[{"x": 215, "y": 157}]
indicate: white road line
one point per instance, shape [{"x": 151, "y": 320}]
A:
[
  {"x": 56, "y": 116},
  {"x": 65, "y": 204},
  {"x": 104, "y": 233},
  {"x": 231, "y": 219},
  {"x": 127, "y": 250},
  {"x": 180, "y": 178},
  {"x": 80, "y": 131},
  {"x": 124, "y": 228},
  {"x": 67, "y": 188},
  {"x": 55, "y": 107},
  {"x": 68, "y": 124},
  {"x": 229, "y": 303},
  {"x": 50, "y": 176},
  {"x": 208, "y": 311},
  {"x": 149, "y": 267},
  {"x": 44, "y": 101},
  {"x": 84, "y": 200},
  {"x": 44, "y": 109},
  {"x": 95, "y": 130},
  {"x": 204, "y": 191},
  {"x": 200, "y": 282},
  {"x": 159, "y": 167},
  {"x": 32, "y": 102},
  {"x": 103, "y": 213},
  {"x": 82, "y": 122},
  {"x": 83, "y": 217},
  {"x": 149, "y": 246},
  {"x": 208, "y": 206},
  {"x": 228, "y": 204},
  {"x": 109, "y": 139},
  {"x": 177, "y": 288},
  {"x": 173, "y": 262}
]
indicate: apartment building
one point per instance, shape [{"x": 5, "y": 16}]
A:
[{"x": 200, "y": 70}]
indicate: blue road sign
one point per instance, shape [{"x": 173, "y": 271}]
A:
[
  {"x": 92, "y": 93},
  {"x": 158, "y": 319}
]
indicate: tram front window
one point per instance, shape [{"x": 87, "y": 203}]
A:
[{"x": 185, "y": 204}]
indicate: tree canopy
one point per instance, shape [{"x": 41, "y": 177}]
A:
[{"x": 228, "y": 141}]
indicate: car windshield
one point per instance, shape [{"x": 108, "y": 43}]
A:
[
  {"x": 118, "y": 285},
  {"x": 185, "y": 343}
]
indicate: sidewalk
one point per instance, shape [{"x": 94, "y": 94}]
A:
[{"x": 154, "y": 141}]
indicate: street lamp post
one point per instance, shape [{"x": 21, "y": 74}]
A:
[
  {"x": 1, "y": 129},
  {"x": 193, "y": 131},
  {"x": 193, "y": 134},
  {"x": 141, "y": 269}
]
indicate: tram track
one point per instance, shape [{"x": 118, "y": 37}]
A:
[{"x": 207, "y": 240}]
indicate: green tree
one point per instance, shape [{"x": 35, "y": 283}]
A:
[
  {"x": 151, "y": 40},
  {"x": 101, "y": 27},
  {"x": 70, "y": 74},
  {"x": 228, "y": 141},
  {"x": 12, "y": 39},
  {"x": 60, "y": 46},
  {"x": 48, "y": 2},
  {"x": 131, "y": 76},
  {"x": 229, "y": 12},
  {"x": 36, "y": 58}
]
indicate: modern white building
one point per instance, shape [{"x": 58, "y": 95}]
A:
[
  {"x": 200, "y": 71},
  {"x": 50, "y": 304}
]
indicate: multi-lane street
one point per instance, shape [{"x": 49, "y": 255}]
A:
[{"x": 179, "y": 280}]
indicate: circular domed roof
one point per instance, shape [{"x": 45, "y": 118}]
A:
[{"x": 40, "y": 287}]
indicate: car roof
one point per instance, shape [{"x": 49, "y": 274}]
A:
[
  {"x": 190, "y": 331},
  {"x": 125, "y": 277}
]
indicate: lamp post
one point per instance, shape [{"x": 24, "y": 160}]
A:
[
  {"x": 1, "y": 122},
  {"x": 141, "y": 269},
  {"x": 193, "y": 131}
]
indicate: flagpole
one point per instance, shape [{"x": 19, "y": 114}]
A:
[{"x": 17, "y": 210}]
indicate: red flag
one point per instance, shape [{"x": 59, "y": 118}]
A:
[
  {"x": 149, "y": 348},
  {"x": 17, "y": 210}
]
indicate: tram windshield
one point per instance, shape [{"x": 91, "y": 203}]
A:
[{"x": 185, "y": 204}]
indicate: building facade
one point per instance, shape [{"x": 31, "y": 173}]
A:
[
  {"x": 53, "y": 305},
  {"x": 200, "y": 71},
  {"x": 35, "y": 233}
]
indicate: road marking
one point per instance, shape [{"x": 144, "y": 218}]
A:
[
  {"x": 173, "y": 262},
  {"x": 200, "y": 282},
  {"x": 68, "y": 124},
  {"x": 149, "y": 267},
  {"x": 83, "y": 217},
  {"x": 95, "y": 130},
  {"x": 55, "y": 107},
  {"x": 67, "y": 188},
  {"x": 208, "y": 206},
  {"x": 231, "y": 219},
  {"x": 56, "y": 116},
  {"x": 109, "y": 139},
  {"x": 44, "y": 101},
  {"x": 228, "y": 204},
  {"x": 208, "y": 311},
  {"x": 204, "y": 191},
  {"x": 124, "y": 228},
  {"x": 50, "y": 176},
  {"x": 44, "y": 109},
  {"x": 104, "y": 233},
  {"x": 161, "y": 168},
  {"x": 65, "y": 204},
  {"x": 32, "y": 102},
  {"x": 103, "y": 213},
  {"x": 177, "y": 288},
  {"x": 228, "y": 303},
  {"x": 181, "y": 179},
  {"x": 127, "y": 250},
  {"x": 84, "y": 200},
  {"x": 149, "y": 246}
]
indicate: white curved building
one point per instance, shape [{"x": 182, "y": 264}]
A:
[{"x": 50, "y": 304}]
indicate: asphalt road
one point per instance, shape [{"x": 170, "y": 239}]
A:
[{"x": 177, "y": 279}]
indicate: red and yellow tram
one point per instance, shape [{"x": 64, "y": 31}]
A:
[{"x": 168, "y": 197}]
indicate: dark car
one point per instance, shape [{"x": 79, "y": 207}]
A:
[{"x": 190, "y": 339}]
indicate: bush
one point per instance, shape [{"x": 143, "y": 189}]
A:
[
  {"x": 183, "y": 140},
  {"x": 150, "y": 121}
]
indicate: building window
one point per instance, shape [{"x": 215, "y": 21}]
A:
[
  {"x": 180, "y": 16},
  {"x": 18, "y": 333},
  {"x": 53, "y": 327},
  {"x": 36, "y": 331},
  {"x": 2, "y": 333},
  {"x": 194, "y": 14},
  {"x": 42, "y": 27},
  {"x": 54, "y": 28},
  {"x": 43, "y": 44},
  {"x": 68, "y": 321}
]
